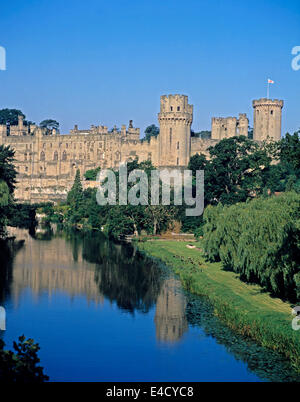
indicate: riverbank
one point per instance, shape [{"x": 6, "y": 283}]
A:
[{"x": 245, "y": 308}]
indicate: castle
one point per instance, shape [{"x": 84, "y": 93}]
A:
[{"x": 47, "y": 161}]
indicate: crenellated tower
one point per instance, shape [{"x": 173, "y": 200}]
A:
[
  {"x": 267, "y": 119},
  {"x": 175, "y": 120}
]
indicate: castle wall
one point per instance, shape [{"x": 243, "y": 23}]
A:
[
  {"x": 47, "y": 164},
  {"x": 47, "y": 161},
  {"x": 226, "y": 127}
]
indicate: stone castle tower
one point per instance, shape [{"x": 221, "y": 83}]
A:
[
  {"x": 226, "y": 127},
  {"x": 47, "y": 161},
  {"x": 267, "y": 119},
  {"x": 175, "y": 119}
]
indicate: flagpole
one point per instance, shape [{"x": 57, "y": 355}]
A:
[{"x": 268, "y": 90}]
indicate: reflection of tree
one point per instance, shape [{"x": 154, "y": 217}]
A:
[
  {"x": 122, "y": 274},
  {"x": 7, "y": 251},
  {"x": 265, "y": 363},
  {"x": 170, "y": 318}
]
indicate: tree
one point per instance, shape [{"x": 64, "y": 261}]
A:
[
  {"x": 8, "y": 171},
  {"x": 92, "y": 174},
  {"x": 7, "y": 184},
  {"x": 49, "y": 124},
  {"x": 75, "y": 200},
  {"x": 235, "y": 170},
  {"x": 289, "y": 149},
  {"x": 151, "y": 131},
  {"x": 197, "y": 162},
  {"x": 10, "y": 117},
  {"x": 21, "y": 366}
]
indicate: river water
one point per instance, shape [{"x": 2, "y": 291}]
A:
[{"x": 103, "y": 312}]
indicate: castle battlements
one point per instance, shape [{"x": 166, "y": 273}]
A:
[{"x": 47, "y": 161}]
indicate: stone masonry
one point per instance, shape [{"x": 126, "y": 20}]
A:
[{"x": 47, "y": 161}]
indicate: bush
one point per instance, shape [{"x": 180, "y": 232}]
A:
[{"x": 259, "y": 240}]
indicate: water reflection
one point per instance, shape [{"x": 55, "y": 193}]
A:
[
  {"x": 50, "y": 266},
  {"x": 92, "y": 267},
  {"x": 170, "y": 317},
  {"x": 122, "y": 274}
]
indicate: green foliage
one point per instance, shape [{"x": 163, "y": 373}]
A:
[
  {"x": 49, "y": 124},
  {"x": 7, "y": 185},
  {"x": 244, "y": 308},
  {"x": 197, "y": 162},
  {"x": 235, "y": 170},
  {"x": 4, "y": 194},
  {"x": 8, "y": 171},
  {"x": 21, "y": 366},
  {"x": 92, "y": 174},
  {"x": 259, "y": 240},
  {"x": 212, "y": 239},
  {"x": 151, "y": 131},
  {"x": 289, "y": 150},
  {"x": 10, "y": 116},
  {"x": 22, "y": 215}
]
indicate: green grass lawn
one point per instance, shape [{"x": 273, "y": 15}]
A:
[{"x": 245, "y": 308}]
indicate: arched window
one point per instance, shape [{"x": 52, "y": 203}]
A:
[
  {"x": 42, "y": 156},
  {"x": 178, "y": 108},
  {"x": 178, "y": 145},
  {"x": 64, "y": 156},
  {"x": 271, "y": 111},
  {"x": 171, "y": 135},
  {"x": 171, "y": 108},
  {"x": 177, "y": 161},
  {"x": 25, "y": 156},
  {"x": 55, "y": 156}
]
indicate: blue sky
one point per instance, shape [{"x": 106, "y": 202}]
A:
[{"x": 105, "y": 62}]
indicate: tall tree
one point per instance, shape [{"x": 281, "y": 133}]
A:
[
  {"x": 235, "y": 170},
  {"x": 49, "y": 124},
  {"x": 10, "y": 116},
  {"x": 8, "y": 171},
  {"x": 151, "y": 131}
]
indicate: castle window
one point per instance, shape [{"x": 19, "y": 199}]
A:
[
  {"x": 55, "y": 156},
  {"x": 42, "y": 156},
  {"x": 178, "y": 145},
  {"x": 25, "y": 157},
  {"x": 178, "y": 108},
  {"x": 26, "y": 169},
  {"x": 271, "y": 111},
  {"x": 177, "y": 161},
  {"x": 64, "y": 156},
  {"x": 171, "y": 108},
  {"x": 171, "y": 135}
]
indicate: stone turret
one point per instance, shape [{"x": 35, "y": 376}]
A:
[
  {"x": 267, "y": 119},
  {"x": 243, "y": 124},
  {"x": 175, "y": 119},
  {"x": 226, "y": 127}
]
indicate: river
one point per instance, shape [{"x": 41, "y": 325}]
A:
[{"x": 102, "y": 311}]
